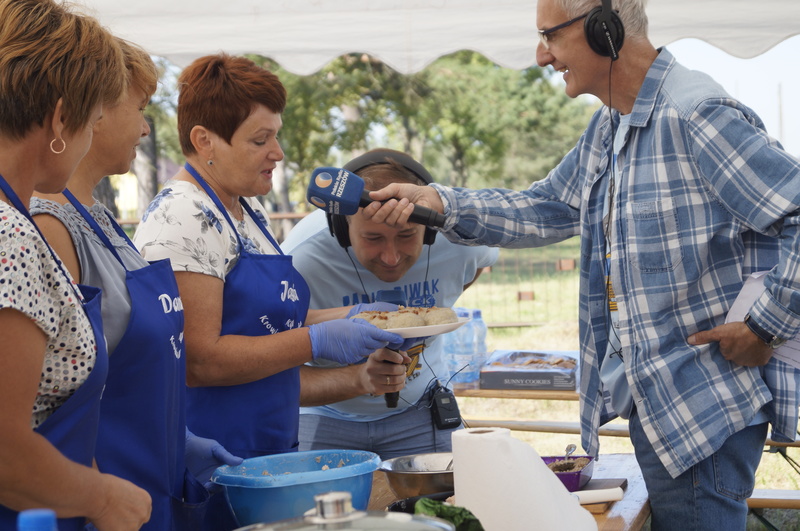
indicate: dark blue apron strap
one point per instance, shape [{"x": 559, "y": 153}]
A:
[
  {"x": 215, "y": 199},
  {"x": 93, "y": 224},
  {"x": 17, "y": 203},
  {"x": 224, "y": 210},
  {"x": 260, "y": 225}
]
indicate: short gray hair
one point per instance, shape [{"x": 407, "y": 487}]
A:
[{"x": 631, "y": 12}]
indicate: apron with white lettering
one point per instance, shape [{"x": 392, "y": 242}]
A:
[
  {"x": 263, "y": 294},
  {"x": 72, "y": 428},
  {"x": 142, "y": 433}
]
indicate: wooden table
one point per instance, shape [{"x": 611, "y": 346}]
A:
[
  {"x": 617, "y": 428},
  {"x": 760, "y": 499},
  {"x": 632, "y": 511},
  {"x": 474, "y": 391},
  {"x": 628, "y": 514}
]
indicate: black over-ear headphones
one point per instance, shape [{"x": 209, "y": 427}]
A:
[
  {"x": 604, "y": 31},
  {"x": 337, "y": 223}
]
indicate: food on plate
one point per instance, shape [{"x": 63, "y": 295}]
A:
[
  {"x": 436, "y": 316},
  {"x": 408, "y": 317},
  {"x": 379, "y": 319},
  {"x": 404, "y": 319}
]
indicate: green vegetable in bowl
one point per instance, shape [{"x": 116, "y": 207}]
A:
[{"x": 460, "y": 517}]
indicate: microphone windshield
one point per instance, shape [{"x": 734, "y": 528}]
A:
[
  {"x": 338, "y": 191},
  {"x": 335, "y": 190}
]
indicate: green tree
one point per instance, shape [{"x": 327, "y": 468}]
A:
[
  {"x": 469, "y": 121},
  {"x": 546, "y": 125},
  {"x": 162, "y": 111}
]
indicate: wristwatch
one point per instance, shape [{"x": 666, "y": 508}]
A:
[{"x": 771, "y": 340}]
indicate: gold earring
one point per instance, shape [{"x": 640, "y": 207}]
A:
[{"x": 63, "y": 146}]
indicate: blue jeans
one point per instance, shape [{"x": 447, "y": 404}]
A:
[
  {"x": 407, "y": 433},
  {"x": 712, "y": 495}
]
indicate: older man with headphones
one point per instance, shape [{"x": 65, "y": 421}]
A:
[
  {"x": 349, "y": 260},
  {"x": 678, "y": 194}
]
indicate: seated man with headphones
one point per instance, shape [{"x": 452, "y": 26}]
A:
[{"x": 349, "y": 260}]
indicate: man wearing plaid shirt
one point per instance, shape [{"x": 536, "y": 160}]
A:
[{"x": 678, "y": 195}]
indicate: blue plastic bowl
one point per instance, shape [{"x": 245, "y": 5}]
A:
[{"x": 277, "y": 487}]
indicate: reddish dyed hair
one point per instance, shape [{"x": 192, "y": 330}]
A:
[{"x": 220, "y": 91}]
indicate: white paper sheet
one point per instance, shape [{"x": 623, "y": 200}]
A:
[
  {"x": 753, "y": 287},
  {"x": 599, "y": 495},
  {"x": 507, "y": 486}
]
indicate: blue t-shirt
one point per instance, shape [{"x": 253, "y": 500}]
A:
[{"x": 333, "y": 280}]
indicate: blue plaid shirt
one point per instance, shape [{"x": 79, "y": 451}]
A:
[{"x": 705, "y": 198}]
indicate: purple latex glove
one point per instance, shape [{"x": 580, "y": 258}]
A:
[
  {"x": 349, "y": 341},
  {"x": 203, "y": 456}
]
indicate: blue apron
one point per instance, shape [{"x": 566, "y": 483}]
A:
[
  {"x": 72, "y": 428},
  {"x": 142, "y": 415},
  {"x": 263, "y": 294}
]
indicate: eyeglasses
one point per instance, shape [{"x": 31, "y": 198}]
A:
[{"x": 544, "y": 35}]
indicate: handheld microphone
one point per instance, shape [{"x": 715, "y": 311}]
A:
[
  {"x": 395, "y": 296},
  {"x": 338, "y": 191}
]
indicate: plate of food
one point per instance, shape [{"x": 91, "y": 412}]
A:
[
  {"x": 428, "y": 330},
  {"x": 409, "y": 322}
]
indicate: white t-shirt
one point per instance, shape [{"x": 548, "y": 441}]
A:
[{"x": 333, "y": 281}]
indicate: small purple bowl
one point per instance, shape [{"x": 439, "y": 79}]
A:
[{"x": 573, "y": 480}]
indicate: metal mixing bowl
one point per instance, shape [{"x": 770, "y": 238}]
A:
[{"x": 420, "y": 474}]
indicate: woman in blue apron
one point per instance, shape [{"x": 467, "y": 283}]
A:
[
  {"x": 57, "y": 69},
  {"x": 142, "y": 417},
  {"x": 245, "y": 305}
]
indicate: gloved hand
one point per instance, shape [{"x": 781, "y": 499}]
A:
[
  {"x": 372, "y": 307},
  {"x": 349, "y": 341},
  {"x": 203, "y": 456},
  {"x": 383, "y": 307}
]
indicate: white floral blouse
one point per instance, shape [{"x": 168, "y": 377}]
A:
[{"x": 183, "y": 224}]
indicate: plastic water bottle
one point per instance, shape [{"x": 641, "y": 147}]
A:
[
  {"x": 480, "y": 351},
  {"x": 37, "y": 520},
  {"x": 462, "y": 361},
  {"x": 451, "y": 347}
]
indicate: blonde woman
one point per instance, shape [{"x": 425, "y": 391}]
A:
[
  {"x": 142, "y": 434},
  {"x": 57, "y": 69}
]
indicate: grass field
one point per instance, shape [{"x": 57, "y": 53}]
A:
[{"x": 552, "y": 324}]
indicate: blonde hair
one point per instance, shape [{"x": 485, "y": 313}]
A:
[
  {"x": 50, "y": 52},
  {"x": 141, "y": 71}
]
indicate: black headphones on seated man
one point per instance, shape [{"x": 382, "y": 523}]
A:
[
  {"x": 337, "y": 223},
  {"x": 604, "y": 31}
]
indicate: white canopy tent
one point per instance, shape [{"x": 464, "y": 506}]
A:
[{"x": 304, "y": 35}]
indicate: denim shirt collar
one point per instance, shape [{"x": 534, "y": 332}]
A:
[{"x": 645, "y": 102}]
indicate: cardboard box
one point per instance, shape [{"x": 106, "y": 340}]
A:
[{"x": 530, "y": 369}]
